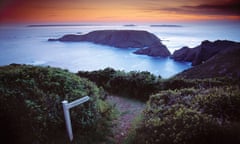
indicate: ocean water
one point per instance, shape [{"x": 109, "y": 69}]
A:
[{"x": 28, "y": 45}]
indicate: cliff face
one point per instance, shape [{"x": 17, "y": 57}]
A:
[
  {"x": 147, "y": 43},
  {"x": 154, "y": 50},
  {"x": 185, "y": 54},
  {"x": 223, "y": 64},
  {"x": 203, "y": 52}
]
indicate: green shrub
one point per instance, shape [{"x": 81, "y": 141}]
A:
[
  {"x": 141, "y": 85},
  {"x": 132, "y": 84},
  {"x": 31, "y": 109},
  {"x": 192, "y": 116},
  {"x": 180, "y": 83},
  {"x": 223, "y": 103}
]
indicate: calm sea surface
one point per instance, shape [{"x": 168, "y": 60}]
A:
[{"x": 29, "y": 45}]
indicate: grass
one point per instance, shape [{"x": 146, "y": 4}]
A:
[{"x": 132, "y": 132}]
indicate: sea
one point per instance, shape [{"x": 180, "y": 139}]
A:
[{"x": 28, "y": 44}]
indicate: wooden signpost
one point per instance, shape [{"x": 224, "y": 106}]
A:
[{"x": 66, "y": 107}]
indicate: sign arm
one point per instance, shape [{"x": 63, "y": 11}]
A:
[{"x": 66, "y": 107}]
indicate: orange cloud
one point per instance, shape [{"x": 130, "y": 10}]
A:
[{"x": 112, "y": 10}]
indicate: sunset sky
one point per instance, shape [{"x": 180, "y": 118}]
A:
[{"x": 20, "y": 11}]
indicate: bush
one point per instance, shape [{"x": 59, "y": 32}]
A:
[
  {"x": 132, "y": 84},
  {"x": 223, "y": 103},
  {"x": 192, "y": 116},
  {"x": 141, "y": 85},
  {"x": 181, "y": 83},
  {"x": 31, "y": 109}
]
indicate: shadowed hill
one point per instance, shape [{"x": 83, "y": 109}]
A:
[
  {"x": 225, "y": 63},
  {"x": 204, "y": 52}
]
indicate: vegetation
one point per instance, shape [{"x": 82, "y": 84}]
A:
[
  {"x": 132, "y": 131},
  {"x": 141, "y": 85},
  {"x": 181, "y": 83},
  {"x": 31, "y": 109},
  {"x": 192, "y": 116},
  {"x": 178, "y": 111},
  {"x": 132, "y": 84}
]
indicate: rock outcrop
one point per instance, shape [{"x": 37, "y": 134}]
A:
[
  {"x": 203, "y": 52},
  {"x": 147, "y": 43},
  {"x": 224, "y": 64},
  {"x": 154, "y": 50},
  {"x": 185, "y": 54}
]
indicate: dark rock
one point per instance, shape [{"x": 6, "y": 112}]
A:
[
  {"x": 224, "y": 64},
  {"x": 130, "y": 25},
  {"x": 154, "y": 50},
  {"x": 203, "y": 52},
  {"x": 53, "y": 40},
  {"x": 184, "y": 54},
  {"x": 156, "y": 25},
  {"x": 147, "y": 42}
]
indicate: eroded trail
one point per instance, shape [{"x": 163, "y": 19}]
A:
[{"x": 128, "y": 109}]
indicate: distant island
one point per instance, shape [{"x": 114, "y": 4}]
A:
[
  {"x": 147, "y": 43},
  {"x": 156, "y": 25},
  {"x": 129, "y": 25},
  {"x": 63, "y": 25}
]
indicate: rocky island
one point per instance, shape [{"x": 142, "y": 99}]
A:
[{"x": 147, "y": 43}]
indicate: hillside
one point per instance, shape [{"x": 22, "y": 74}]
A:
[
  {"x": 205, "y": 51},
  {"x": 223, "y": 64}
]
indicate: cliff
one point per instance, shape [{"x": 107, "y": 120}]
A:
[
  {"x": 203, "y": 52},
  {"x": 223, "y": 64}
]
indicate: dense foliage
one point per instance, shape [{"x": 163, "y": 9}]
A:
[
  {"x": 141, "y": 85},
  {"x": 133, "y": 84},
  {"x": 182, "y": 111},
  {"x": 180, "y": 83},
  {"x": 31, "y": 109},
  {"x": 192, "y": 116}
]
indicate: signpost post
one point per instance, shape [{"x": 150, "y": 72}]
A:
[{"x": 66, "y": 107}]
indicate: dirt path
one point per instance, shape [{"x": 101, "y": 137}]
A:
[{"x": 128, "y": 109}]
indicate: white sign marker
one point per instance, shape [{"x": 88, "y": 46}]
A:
[{"x": 66, "y": 107}]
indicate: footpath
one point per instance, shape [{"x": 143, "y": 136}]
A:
[{"x": 128, "y": 110}]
